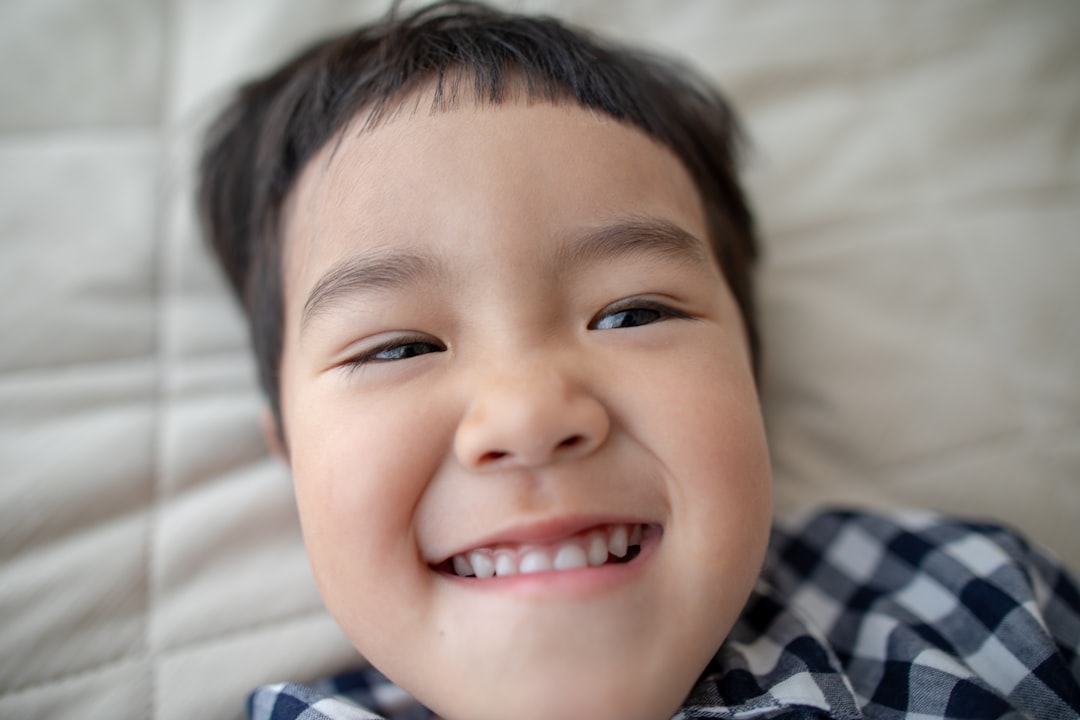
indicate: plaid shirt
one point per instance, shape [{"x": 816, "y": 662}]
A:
[{"x": 856, "y": 615}]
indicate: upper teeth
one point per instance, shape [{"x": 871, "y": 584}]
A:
[{"x": 590, "y": 549}]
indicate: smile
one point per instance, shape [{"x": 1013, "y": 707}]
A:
[{"x": 607, "y": 544}]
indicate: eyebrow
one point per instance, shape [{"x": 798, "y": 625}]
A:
[
  {"x": 390, "y": 270},
  {"x": 364, "y": 273},
  {"x": 634, "y": 236}
]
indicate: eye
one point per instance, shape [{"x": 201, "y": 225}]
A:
[
  {"x": 395, "y": 350},
  {"x": 632, "y": 313}
]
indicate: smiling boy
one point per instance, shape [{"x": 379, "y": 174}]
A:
[
  {"x": 512, "y": 373},
  {"x": 498, "y": 276}
]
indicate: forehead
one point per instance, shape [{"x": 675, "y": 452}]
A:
[{"x": 449, "y": 180}]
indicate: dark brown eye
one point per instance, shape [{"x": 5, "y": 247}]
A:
[
  {"x": 405, "y": 351},
  {"x": 630, "y": 317},
  {"x": 633, "y": 312},
  {"x": 397, "y": 349}
]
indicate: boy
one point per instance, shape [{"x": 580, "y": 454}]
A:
[{"x": 498, "y": 278}]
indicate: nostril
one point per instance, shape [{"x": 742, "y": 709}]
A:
[
  {"x": 572, "y": 441},
  {"x": 492, "y": 456}
]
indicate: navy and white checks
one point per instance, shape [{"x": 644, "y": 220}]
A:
[{"x": 856, "y": 615}]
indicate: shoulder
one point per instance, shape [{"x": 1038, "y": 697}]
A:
[
  {"x": 910, "y": 536},
  {"x": 292, "y": 701},
  {"x": 887, "y": 552},
  {"x": 965, "y": 603},
  {"x": 363, "y": 694}
]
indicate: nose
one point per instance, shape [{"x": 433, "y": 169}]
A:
[{"x": 529, "y": 418}]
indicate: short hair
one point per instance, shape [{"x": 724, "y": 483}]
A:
[{"x": 261, "y": 142}]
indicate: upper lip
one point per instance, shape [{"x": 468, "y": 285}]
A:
[{"x": 542, "y": 532}]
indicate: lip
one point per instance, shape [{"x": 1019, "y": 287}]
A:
[
  {"x": 544, "y": 532},
  {"x": 578, "y": 584}
]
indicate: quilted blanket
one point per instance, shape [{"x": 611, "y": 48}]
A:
[{"x": 916, "y": 173}]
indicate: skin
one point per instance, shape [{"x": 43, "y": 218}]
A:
[{"x": 493, "y": 368}]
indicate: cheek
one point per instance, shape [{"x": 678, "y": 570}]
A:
[
  {"x": 725, "y": 442},
  {"x": 359, "y": 476},
  {"x": 712, "y": 443},
  {"x": 721, "y": 497}
]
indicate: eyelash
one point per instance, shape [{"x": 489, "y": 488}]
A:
[
  {"x": 397, "y": 344},
  {"x": 400, "y": 345},
  {"x": 663, "y": 312}
]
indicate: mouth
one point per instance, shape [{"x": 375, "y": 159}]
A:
[{"x": 610, "y": 544}]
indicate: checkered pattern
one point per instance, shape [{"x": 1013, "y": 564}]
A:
[
  {"x": 856, "y": 615},
  {"x": 343, "y": 697}
]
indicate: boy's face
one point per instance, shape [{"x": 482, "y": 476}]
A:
[{"x": 508, "y": 346}]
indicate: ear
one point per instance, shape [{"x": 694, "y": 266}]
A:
[{"x": 273, "y": 435}]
